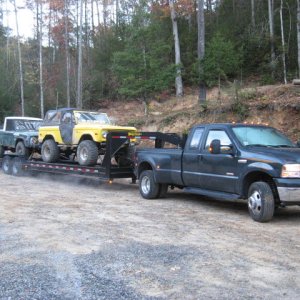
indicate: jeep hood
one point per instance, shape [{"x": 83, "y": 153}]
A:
[{"x": 104, "y": 127}]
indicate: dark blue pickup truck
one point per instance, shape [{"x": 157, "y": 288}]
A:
[{"x": 227, "y": 161}]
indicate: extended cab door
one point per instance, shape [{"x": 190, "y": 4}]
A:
[
  {"x": 66, "y": 127},
  {"x": 218, "y": 172},
  {"x": 191, "y": 158}
]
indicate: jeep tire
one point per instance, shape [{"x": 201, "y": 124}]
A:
[
  {"x": 21, "y": 150},
  {"x": 50, "y": 151},
  {"x": 87, "y": 153}
]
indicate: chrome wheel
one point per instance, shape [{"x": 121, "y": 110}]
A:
[
  {"x": 145, "y": 185},
  {"x": 255, "y": 203},
  {"x": 83, "y": 154}
]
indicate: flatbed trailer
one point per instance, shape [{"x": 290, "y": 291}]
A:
[{"x": 12, "y": 164}]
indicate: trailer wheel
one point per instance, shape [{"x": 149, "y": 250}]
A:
[
  {"x": 7, "y": 165},
  {"x": 50, "y": 151},
  {"x": 149, "y": 189},
  {"x": 1, "y": 151},
  {"x": 87, "y": 153},
  {"x": 261, "y": 204},
  {"x": 17, "y": 166},
  {"x": 21, "y": 150}
]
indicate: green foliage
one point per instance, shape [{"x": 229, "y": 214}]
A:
[{"x": 221, "y": 60}]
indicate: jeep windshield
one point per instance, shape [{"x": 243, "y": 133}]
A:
[
  {"x": 23, "y": 125},
  {"x": 252, "y": 136},
  {"x": 91, "y": 117}
]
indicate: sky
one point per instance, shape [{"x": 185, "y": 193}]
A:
[{"x": 25, "y": 19}]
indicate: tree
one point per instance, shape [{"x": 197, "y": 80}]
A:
[
  {"x": 79, "y": 70},
  {"x": 178, "y": 80},
  {"x": 201, "y": 47},
  {"x": 221, "y": 60},
  {"x": 20, "y": 61},
  {"x": 298, "y": 34},
  {"x": 271, "y": 27},
  {"x": 39, "y": 6},
  {"x": 282, "y": 43}
]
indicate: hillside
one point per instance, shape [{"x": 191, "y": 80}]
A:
[{"x": 276, "y": 105}]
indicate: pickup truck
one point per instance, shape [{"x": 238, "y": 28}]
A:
[
  {"x": 229, "y": 162},
  {"x": 73, "y": 131},
  {"x": 19, "y": 135}
]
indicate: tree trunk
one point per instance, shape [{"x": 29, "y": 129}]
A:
[
  {"x": 178, "y": 80},
  {"x": 298, "y": 34},
  {"x": 201, "y": 48},
  {"x": 271, "y": 25},
  {"x": 40, "y": 33},
  {"x": 282, "y": 43},
  {"x": 67, "y": 52},
  {"x": 79, "y": 72},
  {"x": 253, "y": 13},
  {"x": 20, "y": 61}
]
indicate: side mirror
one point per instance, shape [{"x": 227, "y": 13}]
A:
[{"x": 215, "y": 147}]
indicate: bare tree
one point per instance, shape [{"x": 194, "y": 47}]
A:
[
  {"x": 67, "y": 52},
  {"x": 253, "y": 13},
  {"x": 271, "y": 26},
  {"x": 178, "y": 80},
  {"x": 20, "y": 60},
  {"x": 79, "y": 71},
  {"x": 39, "y": 5},
  {"x": 201, "y": 47},
  {"x": 298, "y": 33},
  {"x": 282, "y": 43}
]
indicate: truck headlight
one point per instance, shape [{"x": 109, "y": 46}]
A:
[
  {"x": 290, "y": 170},
  {"x": 104, "y": 134}
]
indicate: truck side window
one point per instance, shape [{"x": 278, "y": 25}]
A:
[
  {"x": 217, "y": 135},
  {"x": 194, "y": 144}
]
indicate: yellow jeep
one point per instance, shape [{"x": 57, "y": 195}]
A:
[{"x": 76, "y": 131}]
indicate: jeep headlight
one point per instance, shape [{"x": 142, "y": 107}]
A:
[
  {"x": 104, "y": 134},
  {"x": 290, "y": 170},
  {"x": 34, "y": 140}
]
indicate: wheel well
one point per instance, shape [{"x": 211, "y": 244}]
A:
[
  {"x": 259, "y": 176},
  {"x": 86, "y": 137},
  {"x": 19, "y": 140},
  {"x": 144, "y": 166},
  {"x": 48, "y": 137}
]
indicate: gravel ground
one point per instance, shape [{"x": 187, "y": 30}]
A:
[{"x": 65, "y": 238}]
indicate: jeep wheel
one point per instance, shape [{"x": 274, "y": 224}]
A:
[
  {"x": 7, "y": 165},
  {"x": 87, "y": 153},
  {"x": 149, "y": 189},
  {"x": 50, "y": 151},
  {"x": 1, "y": 151},
  {"x": 261, "y": 204},
  {"x": 21, "y": 150}
]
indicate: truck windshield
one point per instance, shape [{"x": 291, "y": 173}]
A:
[
  {"x": 23, "y": 125},
  {"x": 92, "y": 117},
  {"x": 261, "y": 137}
]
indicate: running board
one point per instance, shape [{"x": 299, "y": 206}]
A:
[{"x": 212, "y": 194}]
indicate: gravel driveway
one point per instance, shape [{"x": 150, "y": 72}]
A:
[{"x": 65, "y": 238}]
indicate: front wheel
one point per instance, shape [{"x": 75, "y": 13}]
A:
[
  {"x": 261, "y": 203},
  {"x": 21, "y": 150},
  {"x": 149, "y": 189},
  {"x": 87, "y": 153},
  {"x": 50, "y": 151}
]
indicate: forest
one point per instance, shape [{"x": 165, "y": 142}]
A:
[{"x": 86, "y": 52}]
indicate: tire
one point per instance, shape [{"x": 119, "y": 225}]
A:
[
  {"x": 87, "y": 153},
  {"x": 261, "y": 203},
  {"x": 7, "y": 165},
  {"x": 50, "y": 151},
  {"x": 21, "y": 150},
  {"x": 149, "y": 189},
  {"x": 17, "y": 166},
  {"x": 1, "y": 151}
]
